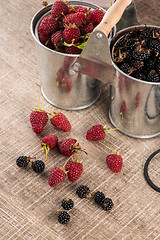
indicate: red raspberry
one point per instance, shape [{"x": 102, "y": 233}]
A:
[
  {"x": 87, "y": 13},
  {"x": 71, "y": 35},
  {"x": 48, "y": 25},
  {"x": 72, "y": 50},
  {"x": 56, "y": 176},
  {"x": 68, "y": 146},
  {"x": 60, "y": 121},
  {"x": 87, "y": 29},
  {"x": 44, "y": 38},
  {"x": 57, "y": 38},
  {"x": 49, "y": 142},
  {"x": 38, "y": 120},
  {"x": 96, "y": 133},
  {"x": 75, "y": 171},
  {"x": 74, "y": 19},
  {"x": 96, "y": 16},
  {"x": 114, "y": 162},
  {"x": 59, "y": 8}
]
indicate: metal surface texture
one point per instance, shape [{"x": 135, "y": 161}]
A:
[{"x": 80, "y": 91}]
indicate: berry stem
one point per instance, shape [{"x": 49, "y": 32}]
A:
[
  {"x": 110, "y": 147},
  {"x": 63, "y": 167}
]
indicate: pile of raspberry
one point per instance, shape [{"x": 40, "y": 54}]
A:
[
  {"x": 67, "y": 28},
  {"x": 137, "y": 54}
]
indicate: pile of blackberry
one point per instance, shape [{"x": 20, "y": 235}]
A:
[
  {"x": 38, "y": 166},
  {"x": 137, "y": 54}
]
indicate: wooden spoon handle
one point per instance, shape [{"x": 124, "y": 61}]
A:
[{"x": 112, "y": 16}]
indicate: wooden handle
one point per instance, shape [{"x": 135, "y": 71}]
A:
[{"x": 112, "y": 16}]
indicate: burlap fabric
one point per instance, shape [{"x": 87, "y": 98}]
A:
[{"x": 28, "y": 203}]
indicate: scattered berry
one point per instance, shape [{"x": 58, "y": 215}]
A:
[
  {"x": 67, "y": 203},
  {"x": 49, "y": 142},
  {"x": 68, "y": 146},
  {"x": 107, "y": 204},
  {"x": 22, "y": 161},
  {"x": 96, "y": 133},
  {"x": 60, "y": 121},
  {"x": 38, "y": 166},
  {"x": 63, "y": 217},
  {"x": 83, "y": 191},
  {"x": 98, "y": 197},
  {"x": 114, "y": 162},
  {"x": 75, "y": 171},
  {"x": 56, "y": 176},
  {"x": 38, "y": 119}
]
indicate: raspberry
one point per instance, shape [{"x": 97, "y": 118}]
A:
[
  {"x": 99, "y": 197},
  {"x": 49, "y": 142},
  {"x": 68, "y": 146},
  {"x": 63, "y": 217},
  {"x": 71, "y": 35},
  {"x": 22, "y": 161},
  {"x": 38, "y": 120},
  {"x": 56, "y": 176},
  {"x": 38, "y": 166},
  {"x": 75, "y": 171},
  {"x": 59, "y": 8},
  {"x": 48, "y": 25},
  {"x": 96, "y": 16},
  {"x": 86, "y": 29},
  {"x": 57, "y": 38},
  {"x": 114, "y": 162},
  {"x": 72, "y": 50},
  {"x": 74, "y": 19},
  {"x": 44, "y": 38},
  {"x": 67, "y": 203},
  {"x": 107, "y": 204},
  {"x": 60, "y": 121},
  {"x": 83, "y": 191},
  {"x": 96, "y": 133}
]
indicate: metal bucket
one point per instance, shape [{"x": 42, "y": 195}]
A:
[
  {"x": 82, "y": 90},
  {"x": 135, "y": 104}
]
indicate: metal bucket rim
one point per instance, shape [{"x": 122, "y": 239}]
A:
[
  {"x": 118, "y": 69},
  {"x": 46, "y": 9}
]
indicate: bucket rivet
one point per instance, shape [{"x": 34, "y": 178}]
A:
[{"x": 99, "y": 35}]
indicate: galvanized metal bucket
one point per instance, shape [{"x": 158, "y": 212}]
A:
[
  {"x": 135, "y": 104},
  {"x": 82, "y": 90}
]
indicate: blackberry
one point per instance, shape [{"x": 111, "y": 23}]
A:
[
  {"x": 83, "y": 191},
  {"x": 107, "y": 204},
  {"x": 153, "y": 76},
  {"x": 158, "y": 68},
  {"x": 22, "y": 161},
  {"x": 146, "y": 33},
  {"x": 121, "y": 42},
  {"x": 137, "y": 64},
  {"x": 99, "y": 197},
  {"x": 63, "y": 217},
  {"x": 67, "y": 203},
  {"x": 141, "y": 54},
  {"x": 38, "y": 166},
  {"x": 140, "y": 75},
  {"x": 150, "y": 64},
  {"x": 154, "y": 45},
  {"x": 125, "y": 67}
]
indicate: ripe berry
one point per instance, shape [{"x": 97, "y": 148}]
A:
[
  {"x": 57, "y": 38},
  {"x": 107, "y": 204},
  {"x": 72, "y": 50},
  {"x": 38, "y": 119},
  {"x": 59, "y": 8},
  {"x": 60, "y": 121},
  {"x": 75, "y": 171},
  {"x": 96, "y": 133},
  {"x": 68, "y": 146},
  {"x": 63, "y": 217},
  {"x": 38, "y": 166},
  {"x": 96, "y": 16},
  {"x": 114, "y": 162},
  {"x": 71, "y": 34},
  {"x": 48, "y": 25},
  {"x": 75, "y": 19},
  {"x": 83, "y": 191},
  {"x": 98, "y": 197},
  {"x": 67, "y": 203},
  {"x": 49, "y": 142},
  {"x": 22, "y": 161},
  {"x": 56, "y": 176}
]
